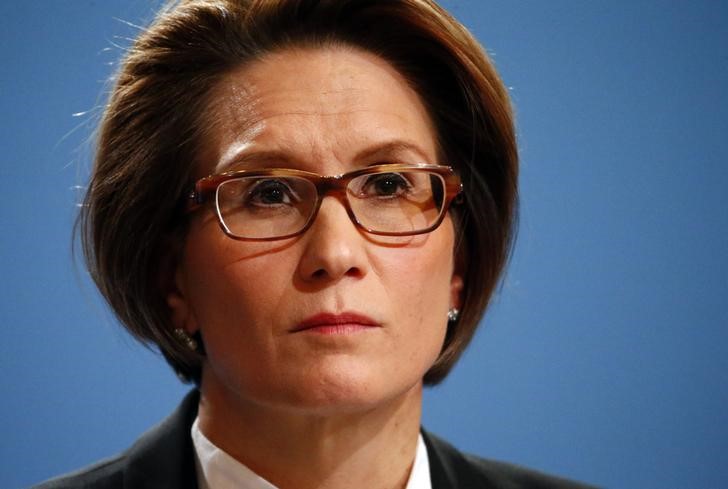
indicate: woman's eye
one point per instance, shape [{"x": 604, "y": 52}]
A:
[
  {"x": 269, "y": 192},
  {"x": 386, "y": 185}
]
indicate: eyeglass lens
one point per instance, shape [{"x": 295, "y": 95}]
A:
[{"x": 261, "y": 207}]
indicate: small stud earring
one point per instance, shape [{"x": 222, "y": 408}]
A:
[
  {"x": 453, "y": 315},
  {"x": 185, "y": 338}
]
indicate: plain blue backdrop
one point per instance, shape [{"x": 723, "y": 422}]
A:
[{"x": 605, "y": 354}]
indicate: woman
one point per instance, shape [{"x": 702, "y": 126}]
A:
[{"x": 306, "y": 206}]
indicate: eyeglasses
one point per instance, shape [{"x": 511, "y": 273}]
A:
[{"x": 271, "y": 204}]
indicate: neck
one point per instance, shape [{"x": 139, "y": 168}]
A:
[{"x": 373, "y": 447}]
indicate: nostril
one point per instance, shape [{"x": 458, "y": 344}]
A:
[
  {"x": 320, "y": 273},
  {"x": 354, "y": 272},
  {"x": 328, "y": 273}
]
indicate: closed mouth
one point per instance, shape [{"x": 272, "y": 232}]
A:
[{"x": 341, "y": 323}]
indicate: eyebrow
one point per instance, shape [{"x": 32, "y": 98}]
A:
[
  {"x": 377, "y": 152},
  {"x": 248, "y": 156},
  {"x": 391, "y": 148}
]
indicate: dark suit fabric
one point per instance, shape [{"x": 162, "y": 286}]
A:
[{"x": 163, "y": 458}]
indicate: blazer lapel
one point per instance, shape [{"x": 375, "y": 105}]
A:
[
  {"x": 448, "y": 467},
  {"x": 442, "y": 471}
]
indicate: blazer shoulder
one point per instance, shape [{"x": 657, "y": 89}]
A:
[
  {"x": 162, "y": 458},
  {"x": 451, "y": 468},
  {"x": 105, "y": 474},
  {"x": 516, "y": 476}
]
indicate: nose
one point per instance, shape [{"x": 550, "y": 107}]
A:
[{"x": 334, "y": 248}]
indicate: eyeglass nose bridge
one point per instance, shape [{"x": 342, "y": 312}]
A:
[{"x": 334, "y": 186}]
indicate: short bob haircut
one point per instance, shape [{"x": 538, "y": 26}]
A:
[{"x": 132, "y": 224}]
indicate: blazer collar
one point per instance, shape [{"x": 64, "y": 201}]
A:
[
  {"x": 448, "y": 466},
  {"x": 163, "y": 458}
]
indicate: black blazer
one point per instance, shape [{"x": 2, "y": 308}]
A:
[{"x": 163, "y": 458}]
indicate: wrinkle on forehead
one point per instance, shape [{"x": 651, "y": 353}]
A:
[
  {"x": 233, "y": 123},
  {"x": 244, "y": 107}
]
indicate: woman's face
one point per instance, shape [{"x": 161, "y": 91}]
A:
[{"x": 266, "y": 310}]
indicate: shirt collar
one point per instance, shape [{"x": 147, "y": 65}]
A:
[{"x": 218, "y": 470}]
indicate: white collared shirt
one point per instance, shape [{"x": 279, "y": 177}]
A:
[{"x": 218, "y": 470}]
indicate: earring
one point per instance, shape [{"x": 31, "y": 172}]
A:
[
  {"x": 453, "y": 315},
  {"x": 185, "y": 338}
]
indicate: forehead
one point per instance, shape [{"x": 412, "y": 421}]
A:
[{"x": 315, "y": 106}]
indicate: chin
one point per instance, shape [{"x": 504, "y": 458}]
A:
[
  {"x": 331, "y": 385},
  {"x": 349, "y": 391}
]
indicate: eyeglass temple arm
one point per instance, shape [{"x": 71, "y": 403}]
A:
[{"x": 195, "y": 199}]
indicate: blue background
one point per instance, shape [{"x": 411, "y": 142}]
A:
[{"x": 604, "y": 357}]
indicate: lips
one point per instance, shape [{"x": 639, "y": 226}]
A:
[{"x": 342, "y": 323}]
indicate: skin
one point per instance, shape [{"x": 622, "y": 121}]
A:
[{"x": 305, "y": 409}]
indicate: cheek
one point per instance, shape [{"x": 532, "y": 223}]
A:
[
  {"x": 421, "y": 270},
  {"x": 228, "y": 281},
  {"x": 234, "y": 290},
  {"x": 417, "y": 285},
  {"x": 416, "y": 280}
]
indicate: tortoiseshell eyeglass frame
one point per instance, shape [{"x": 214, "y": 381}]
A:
[{"x": 205, "y": 190}]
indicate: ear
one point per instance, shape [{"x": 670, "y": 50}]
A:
[
  {"x": 181, "y": 313},
  {"x": 173, "y": 284},
  {"x": 456, "y": 289}
]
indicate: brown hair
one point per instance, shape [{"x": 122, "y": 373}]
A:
[{"x": 150, "y": 132}]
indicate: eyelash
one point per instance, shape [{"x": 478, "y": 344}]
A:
[{"x": 257, "y": 188}]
